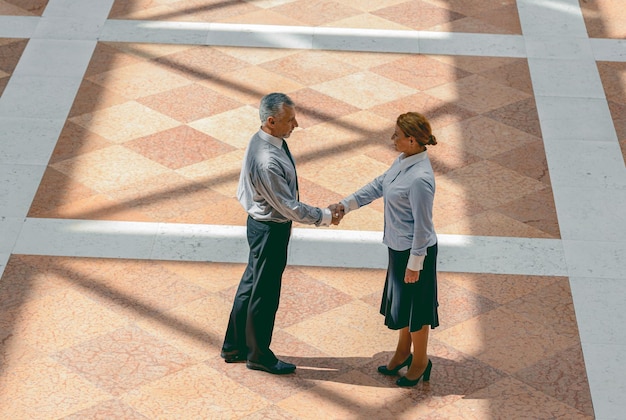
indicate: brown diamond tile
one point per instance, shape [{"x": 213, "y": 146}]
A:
[
  {"x": 562, "y": 377},
  {"x": 458, "y": 304},
  {"x": 551, "y": 307},
  {"x": 528, "y": 159},
  {"x": 521, "y": 115},
  {"x": 202, "y": 62},
  {"x": 471, "y": 93},
  {"x": 485, "y": 137},
  {"x": 451, "y": 209},
  {"x": 23, "y": 7},
  {"x": 108, "y": 56},
  {"x": 492, "y": 223},
  {"x": 123, "y": 360},
  {"x": 445, "y": 158},
  {"x": 178, "y": 147},
  {"x": 500, "y": 288},
  {"x": 420, "y": 72},
  {"x": 307, "y": 297},
  {"x": 10, "y": 52},
  {"x": 490, "y": 184},
  {"x": 474, "y": 64},
  {"x": 613, "y": 77},
  {"x": 419, "y": 15},
  {"x": 515, "y": 75},
  {"x": 536, "y": 209}
]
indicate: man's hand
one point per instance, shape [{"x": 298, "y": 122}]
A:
[
  {"x": 411, "y": 276},
  {"x": 338, "y": 211}
]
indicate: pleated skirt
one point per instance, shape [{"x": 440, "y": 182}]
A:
[{"x": 410, "y": 305}]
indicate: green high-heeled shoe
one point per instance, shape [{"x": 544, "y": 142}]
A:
[
  {"x": 390, "y": 372},
  {"x": 403, "y": 381}
]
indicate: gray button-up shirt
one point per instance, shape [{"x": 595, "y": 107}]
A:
[
  {"x": 267, "y": 185},
  {"x": 408, "y": 189}
]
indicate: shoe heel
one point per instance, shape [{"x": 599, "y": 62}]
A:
[{"x": 426, "y": 374}]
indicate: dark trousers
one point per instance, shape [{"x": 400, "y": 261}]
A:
[{"x": 251, "y": 322}]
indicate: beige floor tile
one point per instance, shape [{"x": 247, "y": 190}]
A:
[
  {"x": 344, "y": 89},
  {"x": 107, "y": 169},
  {"x": 195, "y": 392},
  {"x": 43, "y": 389},
  {"x": 332, "y": 332},
  {"x": 125, "y": 122}
]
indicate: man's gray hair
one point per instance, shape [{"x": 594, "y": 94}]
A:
[{"x": 272, "y": 105}]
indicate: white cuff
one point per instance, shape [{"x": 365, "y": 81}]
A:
[
  {"x": 416, "y": 262},
  {"x": 327, "y": 217}
]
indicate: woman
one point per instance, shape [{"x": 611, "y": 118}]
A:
[{"x": 409, "y": 302}]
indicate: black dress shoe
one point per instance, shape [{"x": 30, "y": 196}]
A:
[
  {"x": 233, "y": 356},
  {"x": 404, "y": 381},
  {"x": 390, "y": 372},
  {"x": 279, "y": 368}
]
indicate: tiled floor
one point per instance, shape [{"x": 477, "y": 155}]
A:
[{"x": 122, "y": 144}]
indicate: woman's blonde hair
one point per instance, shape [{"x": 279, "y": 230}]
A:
[{"x": 414, "y": 124}]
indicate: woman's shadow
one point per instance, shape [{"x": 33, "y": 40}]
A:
[{"x": 460, "y": 376}]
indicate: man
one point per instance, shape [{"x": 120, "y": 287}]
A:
[{"x": 268, "y": 191}]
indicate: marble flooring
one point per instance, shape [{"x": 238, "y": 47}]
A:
[{"x": 121, "y": 241}]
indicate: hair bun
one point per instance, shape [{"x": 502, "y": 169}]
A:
[{"x": 432, "y": 140}]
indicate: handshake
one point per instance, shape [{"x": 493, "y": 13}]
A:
[{"x": 337, "y": 211}]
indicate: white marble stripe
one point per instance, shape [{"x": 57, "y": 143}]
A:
[
  {"x": 609, "y": 49},
  {"x": 573, "y": 111},
  {"x": 301, "y": 37},
  {"x": 328, "y": 247},
  {"x": 18, "y": 26}
]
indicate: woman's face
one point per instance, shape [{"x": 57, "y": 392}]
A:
[{"x": 401, "y": 141}]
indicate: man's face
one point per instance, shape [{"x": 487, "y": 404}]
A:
[{"x": 283, "y": 124}]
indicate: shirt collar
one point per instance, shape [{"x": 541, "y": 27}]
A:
[
  {"x": 276, "y": 141},
  {"x": 408, "y": 161}
]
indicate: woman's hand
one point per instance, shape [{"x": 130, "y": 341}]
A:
[{"x": 411, "y": 276}]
